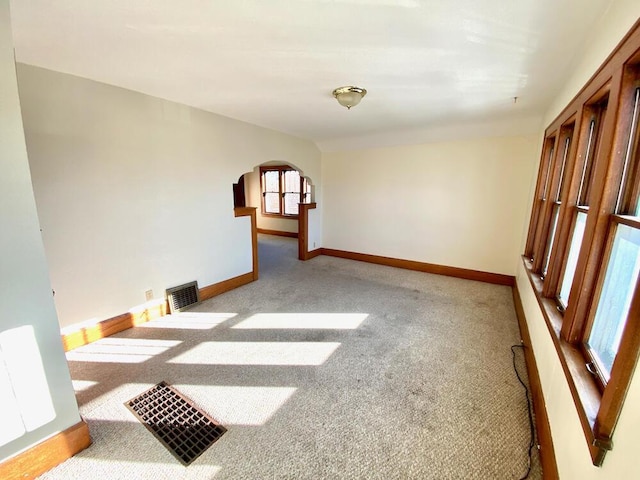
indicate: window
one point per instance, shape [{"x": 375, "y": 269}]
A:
[
  {"x": 583, "y": 246},
  {"x": 580, "y": 202},
  {"x": 282, "y": 190}
]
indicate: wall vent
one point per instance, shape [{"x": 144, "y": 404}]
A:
[{"x": 183, "y": 296}]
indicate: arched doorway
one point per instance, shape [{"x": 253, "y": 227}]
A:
[{"x": 280, "y": 197}]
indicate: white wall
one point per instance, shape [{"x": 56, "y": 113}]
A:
[
  {"x": 460, "y": 204},
  {"x": 26, "y": 304},
  {"x": 570, "y": 445},
  {"x": 135, "y": 192}
]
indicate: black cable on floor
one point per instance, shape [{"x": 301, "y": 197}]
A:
[{"x": 526, "y": 391}]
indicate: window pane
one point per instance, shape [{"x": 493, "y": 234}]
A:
[
  {"x": 292, "y": 181},
  {"x": 291, "y": 201},
  {"x": 565, "y": 154},
  {"x": 545, "y": 189},
  {"x": 572, "y": 259},
  {"x": 617, "y": 291},
  {"x": 307, "y": 192},
  {"x": 630, "y": 163},
  {"x": 271, "y": 181},
  {"x": 586, "y": 168},
  {"x": 272, "y": 202},
  {"x": 552, "y": 234}
]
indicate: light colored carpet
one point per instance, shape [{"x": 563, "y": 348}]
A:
[{"x": 326, "y": 369}]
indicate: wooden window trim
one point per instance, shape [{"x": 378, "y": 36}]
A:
[
  {"x": 586, "y": 395},
  {"x": 280, "y": 169},
  {"x": 543, "y": 180},
  {"x": 598, "y": 408}
]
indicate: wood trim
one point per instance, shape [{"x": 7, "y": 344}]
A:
[
  {"x": 251, "y": 212},
  {"x": 314, "y": 253},
  {"x": 113, "y": 325},
  {"x": 127, "y": 320},
  {"x": 584, "y": 391},
  {"x": 597, "y": 225},
  {"x": 278, "y": 233},
  {"x": 303, "y": 230},
  {"x": 47, "y": 454},
  {"x": 477, "y": 275},
  {"x": 543, "y": 429},
  {"x": 221, "y": 287}
]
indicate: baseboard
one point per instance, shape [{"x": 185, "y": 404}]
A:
[
  {"x": 313, "y": 253},
  {"x": 47, "y": 454},
  {"x": 547, "y": 453},
  {"x": 279, "y": 233},
  {"x": 477, "y": 275},
  {"x": 226, "y": 285},
  {"x": 110, "y": 326}
]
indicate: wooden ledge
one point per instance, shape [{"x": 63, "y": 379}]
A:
[{"x": 586, "y": 395}]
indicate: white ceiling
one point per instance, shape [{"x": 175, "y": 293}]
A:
[{"x": 430, "y": 66}]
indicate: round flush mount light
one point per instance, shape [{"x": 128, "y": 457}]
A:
[{"x": 349, "y": 96}]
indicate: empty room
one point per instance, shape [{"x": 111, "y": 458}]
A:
[{"x": 360, "y": 239}]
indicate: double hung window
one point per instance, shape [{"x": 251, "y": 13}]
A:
[
  {"x": 583, "y": 247},
  {"x": 282, "y": 190}
]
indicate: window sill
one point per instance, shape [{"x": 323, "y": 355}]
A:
[
  {"x": 586, "y": 395},
  {"x": 277, "y": 215}
]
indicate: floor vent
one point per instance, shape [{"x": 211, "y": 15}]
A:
[
  {"x": 183, "y": 296},
  {"x": 182, "y": 428}
]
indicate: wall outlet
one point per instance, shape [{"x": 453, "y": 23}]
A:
[
  {"x": 148, "y": 294},
  {"x": 314, "y": 244}
]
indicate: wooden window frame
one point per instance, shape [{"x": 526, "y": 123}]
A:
[
  {"x": 598, "y": 402},
  {"x": 281, "y": 169}
]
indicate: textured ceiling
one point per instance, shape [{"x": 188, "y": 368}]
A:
[{"x": 430, "y": 67}]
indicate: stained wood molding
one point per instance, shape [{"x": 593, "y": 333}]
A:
[
  {"x": 47, "y": 454},
  {"x": 465, "y": 273},
  {"x": 127, "y": 320},
  {"x": 547, "y": 453},
  {"x": 279, "y": 233},
  {"x": 226, "y": 285},
  {"x": 110, "y": 326},
  {"x": 303, "y": 230}
]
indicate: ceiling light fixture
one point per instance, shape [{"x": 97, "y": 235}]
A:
[{"x": 349, "y": 96}]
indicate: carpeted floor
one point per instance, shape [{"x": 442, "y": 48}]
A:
[{"x": 326, "y": 369}]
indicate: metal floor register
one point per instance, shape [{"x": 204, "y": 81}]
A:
[{"x": 182, "y": 428}]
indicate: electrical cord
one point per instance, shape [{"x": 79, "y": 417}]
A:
[{"x": 526, "y": 391}]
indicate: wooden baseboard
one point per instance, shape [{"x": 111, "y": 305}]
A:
[
  {"x": 47, "y": 454},
  {"x": 110, "y": 326},
  {"x": 487, "y": 277},
  {"x": 279, "y": 233},
  {"x": 547, "y": 453},
  {"x": 226, "y": 285},
  {"x": 127, "y": 320},
  {"x": 313, "y": 253}
]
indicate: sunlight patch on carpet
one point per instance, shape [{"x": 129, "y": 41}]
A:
[{"x": 120, "y": 350}]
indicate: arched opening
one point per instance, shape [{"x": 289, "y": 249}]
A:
[{"x": 279, "y": 196}]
